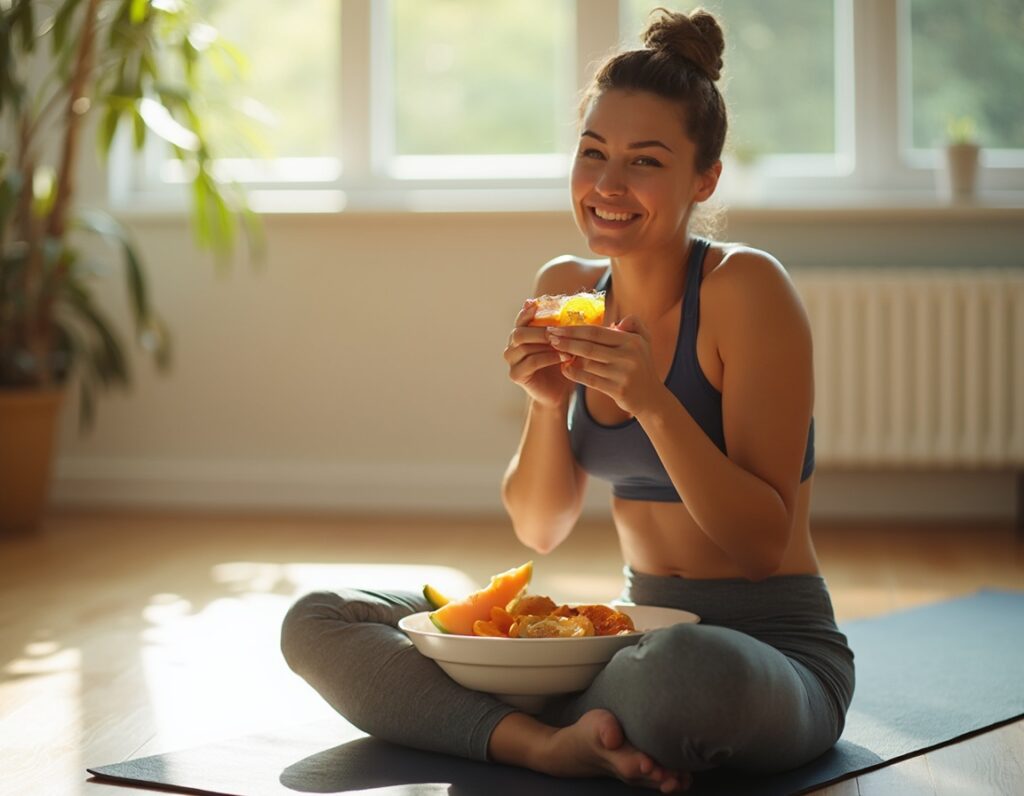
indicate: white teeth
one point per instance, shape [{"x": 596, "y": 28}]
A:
[{"x": 612, "y": 216}]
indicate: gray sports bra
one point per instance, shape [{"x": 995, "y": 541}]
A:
[{"x": 623, "y": 453}]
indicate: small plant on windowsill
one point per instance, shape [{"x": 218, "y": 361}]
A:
[
  {"x": 131, "y": 63},
  {"x": 745, "y": 180},
  {"x": 961, "y": 154}
]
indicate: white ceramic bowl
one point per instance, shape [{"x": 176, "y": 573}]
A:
[{"x": 525, "y": 671}]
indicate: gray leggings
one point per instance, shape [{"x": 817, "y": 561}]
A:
[{"x": 762, "y": 683}]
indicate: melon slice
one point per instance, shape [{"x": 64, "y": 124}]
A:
[
  {"x": 434, "y": 597},
  {"x": 458, "y": 616}
]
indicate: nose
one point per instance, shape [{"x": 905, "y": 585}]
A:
[{"x": 611, "y": 182}]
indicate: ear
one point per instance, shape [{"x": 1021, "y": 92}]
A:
[{"x": 707, "y": 182}]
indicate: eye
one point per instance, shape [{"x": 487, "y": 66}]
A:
[
  {"x": 591, "y": 153},
  {"x": 648, "y": 161}
]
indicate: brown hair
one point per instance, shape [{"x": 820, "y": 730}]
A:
[{"x": 680, "y": 61}]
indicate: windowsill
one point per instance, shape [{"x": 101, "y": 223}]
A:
[{"x": 853, "y": 206}]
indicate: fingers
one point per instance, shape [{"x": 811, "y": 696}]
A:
[
  {"x": 526, "y": 313},
  {"x": 515, "y": 354},
  {"x": 582, "y": 348},
  {"x": 633, "y": 325},
  {"x": 522, "y": 335},
  {"x": 605, "y": 335},
  {"x": 585, "y": 372},
  {"x": 521, "y": 371}
]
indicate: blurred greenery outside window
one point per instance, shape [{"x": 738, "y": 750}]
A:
[
  {"x": 479, "y": 79},
  {"x": 276, "y": 116},
  {"x": 779, "y": 77},
  {"x": 966, "y": 60},
  {"x": 482, "y": 93}
]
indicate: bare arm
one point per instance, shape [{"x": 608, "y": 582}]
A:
[{"x": 543, "y": 486}]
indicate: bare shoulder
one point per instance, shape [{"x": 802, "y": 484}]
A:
[
  {"x": 568, "y": 274},
  {"x": 743, "y": 274},
  {"x": 748, "y": 293}
]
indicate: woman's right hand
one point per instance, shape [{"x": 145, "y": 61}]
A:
[{"x": 533, "y": 364}]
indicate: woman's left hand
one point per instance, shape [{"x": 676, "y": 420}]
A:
[{"x": 615, "y": 360}]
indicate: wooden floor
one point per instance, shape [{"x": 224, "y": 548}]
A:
[{"x": 127, "y": 635}]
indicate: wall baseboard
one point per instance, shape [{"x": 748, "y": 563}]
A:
[{"x": 474, "y": 489}]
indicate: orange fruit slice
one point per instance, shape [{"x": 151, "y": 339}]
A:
[{"x": 576, "y": 310}]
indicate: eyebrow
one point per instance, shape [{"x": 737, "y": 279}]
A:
[{"x": 634, "y": 145}]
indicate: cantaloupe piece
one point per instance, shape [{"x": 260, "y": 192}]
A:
[
  {"x": 434, "y": 597},
  {"x": 458, "y": 616}
]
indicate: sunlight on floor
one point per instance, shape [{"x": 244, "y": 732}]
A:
[
  {"x": 295, "y": 579},
  {"x": 218, "y": 672},
  {"x": 41, "y": 710}
]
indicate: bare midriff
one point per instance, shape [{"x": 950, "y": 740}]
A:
[{"x": 663, "y": 539}]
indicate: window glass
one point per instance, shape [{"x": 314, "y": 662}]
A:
[
  {"x": 779, "y": 71},
  {"x": 475, "y": 77},
  {"x": 967, "y": 60},
  {"x": 286, "y": 104}
]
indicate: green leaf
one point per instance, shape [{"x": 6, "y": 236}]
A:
[
  {"x": 61, "y": 24},
  {"x": 108, "y": 128},
  {"x": 224, "y": 226},
  {"x": 10, "y": 188},
  {"x": 158, "y": 119},
  {"x": 26, "y": 22},
  {"x": 44, "y": 190},
  {"x": 171, "y": 94},
  {"x": 107, "y": 355},
  {"x": 138, "y": 11},
  {"x": 139, "y": 127},
  {"x": 110, "y": 229},
  {"x": 189, "y": 56},
  {"x": 156, "y": 339},
  {"x": 81, "y": 354},
  {"x": 200, "y": 218}
]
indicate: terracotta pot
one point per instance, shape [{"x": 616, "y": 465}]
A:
[{"x": 28, "y": 423}]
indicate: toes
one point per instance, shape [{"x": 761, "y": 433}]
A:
[{"x": 610, "y": 733}]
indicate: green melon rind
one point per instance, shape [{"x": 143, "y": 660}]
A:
[
  {"x": 434, "y": 597},
  {"x": 437, "y": 624}
]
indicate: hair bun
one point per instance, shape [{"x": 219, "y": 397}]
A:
[{"x": 696, "y": 37}]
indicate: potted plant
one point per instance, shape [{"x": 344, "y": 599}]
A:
[
  {"x": 137, "y": 64},
  {"x": 747, "y": 181},
  {"x": 961, "y": 158}
]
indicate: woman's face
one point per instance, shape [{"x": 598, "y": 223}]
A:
[{"x": 633, "y": 176}]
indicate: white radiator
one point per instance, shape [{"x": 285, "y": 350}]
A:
[{"x": 917, "y": 367}]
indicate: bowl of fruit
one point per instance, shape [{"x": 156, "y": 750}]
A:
[{"x": 523, "y": 647}]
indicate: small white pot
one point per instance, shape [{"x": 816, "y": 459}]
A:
[{"x": 960, "y": 176}]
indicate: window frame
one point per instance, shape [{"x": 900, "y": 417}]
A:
[{"x": 874, "y": 161}]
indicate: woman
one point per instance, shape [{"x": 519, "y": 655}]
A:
[{"x": 695, "y": 402}]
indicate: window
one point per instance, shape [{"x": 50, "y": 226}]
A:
[
  {"x": 471, "y": 104},
  {"x": 291, "y": 108},
  {"x": 779, "y": 78},
  {"x": 474, "y": 88},
  {"x": 475, "y": 77},
  {"x": 966, "y": 63}
]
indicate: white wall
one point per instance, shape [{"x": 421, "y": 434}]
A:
[{"x": 361, "y": 366}]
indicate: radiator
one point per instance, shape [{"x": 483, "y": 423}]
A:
[{"x": 917, "y": 367}]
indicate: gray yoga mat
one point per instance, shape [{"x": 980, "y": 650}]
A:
[{"x": 925, "y": 677}]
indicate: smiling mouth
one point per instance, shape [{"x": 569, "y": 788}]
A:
[{"x": 606, "y": 218}]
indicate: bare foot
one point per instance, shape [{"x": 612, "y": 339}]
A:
[{"x": 595, "y": 746}]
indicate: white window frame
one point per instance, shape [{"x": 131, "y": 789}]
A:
[{"x": 874, "y": 163}]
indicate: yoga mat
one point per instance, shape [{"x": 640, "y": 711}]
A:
[{"x": 925, "y": 677}]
